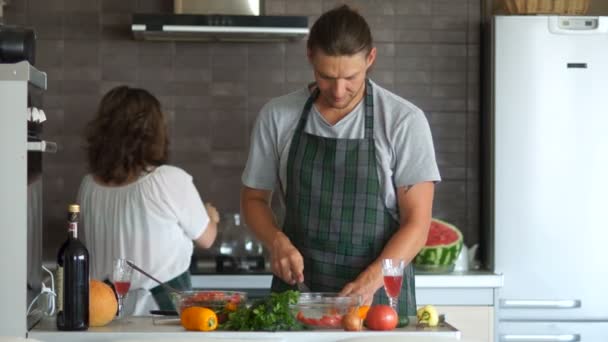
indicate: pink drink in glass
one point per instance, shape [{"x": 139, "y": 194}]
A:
[
  {"x": 392, "y": 271},
  {"x": 392, "y": 284},
  {"x": 122, "y": 287},
  {"x": 121, "y": 277}
]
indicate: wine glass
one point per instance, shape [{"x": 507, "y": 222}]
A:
[
  {"x": 392, "y": 270},
  {"x": 121, "y": 277}
]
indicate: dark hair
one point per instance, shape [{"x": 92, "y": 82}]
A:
[
  {"x": 127, "y": 135},
  {"x": 341, "y": 31}
]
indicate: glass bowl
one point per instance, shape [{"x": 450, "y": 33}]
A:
[
  {"x": 323, "y": 310},
  {"x": 222, "y": 302}
]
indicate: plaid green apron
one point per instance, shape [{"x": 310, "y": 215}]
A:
[{"x": 335, "y": 213}]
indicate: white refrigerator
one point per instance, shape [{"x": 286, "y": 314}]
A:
[{"x": 547, "y": 149}]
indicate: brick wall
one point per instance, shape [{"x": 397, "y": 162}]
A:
[{"x": 428, "y": 54}]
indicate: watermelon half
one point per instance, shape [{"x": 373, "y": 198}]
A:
[{"x": 442, "y": 248}]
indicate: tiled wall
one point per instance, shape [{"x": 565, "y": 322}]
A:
[{"x": 428, "y": 54}]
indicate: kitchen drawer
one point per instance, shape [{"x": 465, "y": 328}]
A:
[{"x": 563, "y": 331}]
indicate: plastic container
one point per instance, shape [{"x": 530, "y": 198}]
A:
[{"x": 324, "y": 310}]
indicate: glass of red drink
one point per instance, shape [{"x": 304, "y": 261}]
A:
[
  {"x": 121, "y": 277},
  {"x": 392, "y": 270}
]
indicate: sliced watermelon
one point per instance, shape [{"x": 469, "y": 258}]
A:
[{"x": 442, "y": 248}]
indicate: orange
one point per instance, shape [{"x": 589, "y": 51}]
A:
[
  {"x": 363, "y": 309},
  {"x": 102, "y": 304},
  {"x": 230, "y": 306},
  {"x": 199, "y": 319}
]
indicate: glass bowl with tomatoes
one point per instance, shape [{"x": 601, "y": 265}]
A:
[
  {"x": 222, "y": 302},
  {"x": 324, "y": 310}
]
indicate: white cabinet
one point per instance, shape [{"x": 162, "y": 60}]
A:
[
  {"x": 583, "y": 331},
  {"x": 476, "y": 323},
  {"x": 467, "y": 299}
]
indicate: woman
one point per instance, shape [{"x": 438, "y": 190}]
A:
[{"x": 134, "y": 205}]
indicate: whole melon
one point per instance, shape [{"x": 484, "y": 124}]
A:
[
  {"x": 443, "y": 245},
  {"x": 102, "y": 304}
]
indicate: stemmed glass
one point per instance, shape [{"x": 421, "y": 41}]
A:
[
  {"x": 121, "y": 277},
  {"x": 392, "y": 270}
]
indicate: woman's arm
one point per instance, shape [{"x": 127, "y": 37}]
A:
[{"x": 208, "y": 237}]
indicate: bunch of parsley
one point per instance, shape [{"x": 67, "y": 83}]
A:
[{"x": 268, "y": 314}]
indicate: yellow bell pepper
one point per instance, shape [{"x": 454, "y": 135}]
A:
[
  {"x": 428, "y": 315},
  {"x": 199, "y": 319}
]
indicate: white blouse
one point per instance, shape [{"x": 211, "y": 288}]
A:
[{"x": 151, "y": 221}]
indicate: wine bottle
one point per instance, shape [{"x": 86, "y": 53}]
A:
[
  {"x": 59, "y": 272},
  {"x": 74, "y": 257}
]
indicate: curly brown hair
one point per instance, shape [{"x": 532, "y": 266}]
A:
[{"x": 127, "y": 135}]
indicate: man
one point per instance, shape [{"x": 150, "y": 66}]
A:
[{"x": 355, "y": 167}]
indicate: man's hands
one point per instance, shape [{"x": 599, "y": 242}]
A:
[
  {"x": 287, "y": 262},
  {"x": 366, "y": 284}
]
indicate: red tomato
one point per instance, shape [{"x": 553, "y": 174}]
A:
[
  {"x": 303, "y": 319},
  {"x": 333, "y": 321},
  {"x": 381, "y": 317}
]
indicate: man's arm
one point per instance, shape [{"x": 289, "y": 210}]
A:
[
  {"x": 415, "y": 210},
  {"x": 287, "y": 262}
]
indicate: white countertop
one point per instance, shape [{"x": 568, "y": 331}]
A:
[
  {"x": 161, "y": 329},
  {"x": 471, "y": 279}
]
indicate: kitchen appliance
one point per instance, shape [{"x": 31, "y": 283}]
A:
[
  {"x": 218, "y": 20},
  {"x": 21, "y": 145},
  {"x": 546, "y": 176},
  {"x": 17, "y": 44},
  {"x": 235, "y": 251}
]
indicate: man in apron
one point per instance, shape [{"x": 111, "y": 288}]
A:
[{"x": 355, "y": 169}]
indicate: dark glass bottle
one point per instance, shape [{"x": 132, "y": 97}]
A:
[{"x": 74, "y": 257}]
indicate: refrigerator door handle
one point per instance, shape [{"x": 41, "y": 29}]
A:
[
  {"x": 42, "y": 146},
  {"x": 541, "y": 338},
  {"x": 540, "y": 304}
]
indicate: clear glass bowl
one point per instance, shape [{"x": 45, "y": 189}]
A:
[
  {"x": 324, "y": 310},
  {"x": 218, "y": 301}
]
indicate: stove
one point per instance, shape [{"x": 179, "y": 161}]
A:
[{"x": 226, "y": 264}]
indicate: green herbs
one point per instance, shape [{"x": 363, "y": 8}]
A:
[{"x": 268, "y": 314}]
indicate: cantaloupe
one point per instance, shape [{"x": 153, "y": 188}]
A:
[{"x": 102, "y": 304}]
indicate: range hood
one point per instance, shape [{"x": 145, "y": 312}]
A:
[
  {"x": 202, "y": 27},
  {"x": 218, "y": 20}
]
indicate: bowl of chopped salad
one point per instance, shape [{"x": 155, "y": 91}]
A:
[
  {"x": 222, "y": 302},
  {"x": 324, "y": 310}
]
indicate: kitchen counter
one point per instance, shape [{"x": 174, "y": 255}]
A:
[{"x": 162, "y": 329}]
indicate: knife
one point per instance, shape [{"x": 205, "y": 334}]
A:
[
  {"x": 302, "y": 287},
  {"x": 164, "y": 312}
]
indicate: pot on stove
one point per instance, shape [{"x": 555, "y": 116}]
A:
[{"x": 239, "y": 249}]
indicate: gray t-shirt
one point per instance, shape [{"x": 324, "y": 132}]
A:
[{"x": 404, "y": 146}]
